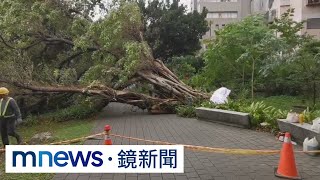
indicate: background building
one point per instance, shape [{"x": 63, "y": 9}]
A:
[
  {"x": 222, "y": 12},
  {"x": 261, "y": 6},
  {"x": 193, "y": 5},
  {"x": 305, "y": 10}
]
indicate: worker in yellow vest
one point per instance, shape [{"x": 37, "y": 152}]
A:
[{"x": 10, "y": 116}]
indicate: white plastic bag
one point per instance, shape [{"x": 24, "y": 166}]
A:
[
  {"x": 305, "y": 144},
  {"x": 311, "y": 145},
  {"x": 317, "y": 120},
  {"x": 316, "y": 125},
  {"x": 313, "y": 142},
  {"x": 293, "y": 117},
  {"x": 220, "y": 96}
]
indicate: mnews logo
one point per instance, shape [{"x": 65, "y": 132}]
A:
[{"x": 94, "y": 159}]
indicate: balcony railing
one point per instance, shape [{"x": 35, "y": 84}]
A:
[{"x": 313, "y": 2}]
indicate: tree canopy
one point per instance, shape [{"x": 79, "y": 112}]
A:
[
  {"x": 55, "y": 42},
  {"x": 170, "y": 30},
  {"x": 254, "y": 54},
  {"x": 239, "y": 47}
]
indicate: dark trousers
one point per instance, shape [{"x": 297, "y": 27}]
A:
[{"x": 8, "y": 128}]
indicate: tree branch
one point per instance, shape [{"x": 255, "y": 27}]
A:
[
  {"x": 70, "y": 58},
  {"x": 5, "y": 43},
  {"x": 57, "y": 40},
  {"x": 108, "y": 94},
  {"x": 31, "y": 45},
  {"x": 69, "y": 42}
]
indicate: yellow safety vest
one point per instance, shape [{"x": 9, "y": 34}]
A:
[{"x": 2, "y": 114}]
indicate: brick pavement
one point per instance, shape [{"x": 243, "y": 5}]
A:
[{"x": 126, "y": 120}]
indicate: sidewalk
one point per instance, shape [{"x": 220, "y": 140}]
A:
[{"x": 125, "y": 120}]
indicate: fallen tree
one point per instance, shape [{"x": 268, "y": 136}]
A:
[
  {"x": 110, "y": 95},
  {"x": 66, "y": 52}
]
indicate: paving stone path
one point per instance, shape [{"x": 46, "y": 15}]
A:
[{"x": 129, "y": 121}]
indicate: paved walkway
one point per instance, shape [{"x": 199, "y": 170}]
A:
[{"x": 126, "y": 120}]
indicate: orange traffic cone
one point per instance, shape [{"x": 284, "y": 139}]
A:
[
  {"x": 107, "y": 139},
  {"x": 287, "y": 164},
  {"x": 108, "y": 142}
]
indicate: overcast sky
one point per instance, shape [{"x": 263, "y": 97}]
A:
[
  {"x": 185, "y": 2},
  {"x": 100, "y": 14}
]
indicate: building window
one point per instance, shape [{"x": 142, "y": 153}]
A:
[
  {"x": 313, "y": 2},
  {"x": 222, "y": 15},
  {"x": 217, "y": 26},
  {"x": 313, "y": 23},
  {"x": 223, "y": 25}
]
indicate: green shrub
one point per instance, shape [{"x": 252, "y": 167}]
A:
[
  {"x": 73, "y": 112},
  {"x": 208, "y": 104},
  {"x": 259, "y": 111},
  {"x": 231, "y": 105},
  {"x": 311, "y": 115},
  {"x": 30, "y": 120},
  {"x": 186, "y": 111},
  {"x": 284, "y": 102},
  {"x": 315, "y": 114},
  {"x": 186, "y": 68},
  {"x": 78, "y": 111}
]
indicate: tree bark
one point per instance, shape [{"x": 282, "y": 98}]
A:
[
  {"x": 252, "y": 79},
  {"x": 161, "y": 77},
  {"x": 108, "y": 94},
  {"x": 168, "y": 84}
]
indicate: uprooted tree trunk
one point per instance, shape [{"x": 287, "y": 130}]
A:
[
  {"x": 162, "y": 78},
  {"x": 164, "y": 81},
  {"x": 172, "y": 90}
]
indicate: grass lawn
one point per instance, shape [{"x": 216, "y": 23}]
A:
[
  {"x": 60, "y": 131},
  {"x": 284, "y": 102}
]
